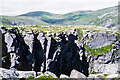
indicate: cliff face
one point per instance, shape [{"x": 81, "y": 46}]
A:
[{"x": 86, "y": 51}]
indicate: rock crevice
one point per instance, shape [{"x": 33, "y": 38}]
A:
[{"x": 59, "y": 53}]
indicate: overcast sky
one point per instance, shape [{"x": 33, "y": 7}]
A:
[{"x": 16, "y": 7}]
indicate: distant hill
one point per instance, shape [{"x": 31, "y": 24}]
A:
[
  {"x": 37, "y": 13},
  {"x": 105, "y": 17}
]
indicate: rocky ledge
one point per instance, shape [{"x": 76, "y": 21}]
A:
[{"x": 75, "y": 53}]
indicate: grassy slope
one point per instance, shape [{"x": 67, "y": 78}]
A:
[
  {"x": 104, "y": 17},
  {"x": 20, "y": 20}
]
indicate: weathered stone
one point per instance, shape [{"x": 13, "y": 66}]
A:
[
  {"x": 61, "y": 53},
  {"x": 113, "y": 76},
  {"x": 99, "y": 41},
  {"x": 95, "y": 75},
  {"x": 11, "y": 73},
  {"x": 25, "y": 74},
  {"x": 3, "y": 30},
  {"x": 111, "y": 37},
  {"x": 111, "y": 69},
  {"x": 39, "y": 76},
  {"x": 9, "y": 39},
  {"x": 98, "y": 67},
  {"x": 39, "y": 73},
  {"x": 48, "y": 73},
  {"x": 64, "y": 76},
  {"x": 76, "y": 74},
  {"x": 29, "y": 41}
]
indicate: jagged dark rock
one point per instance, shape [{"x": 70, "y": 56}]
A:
[{"x": 59, "y": 53}]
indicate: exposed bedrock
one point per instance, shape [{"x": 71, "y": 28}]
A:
[{"x": 60, "y": 53}]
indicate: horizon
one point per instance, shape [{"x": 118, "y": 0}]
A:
[
  {"x": 53, "y": 6},
  {"x": 55, "y": 13}
]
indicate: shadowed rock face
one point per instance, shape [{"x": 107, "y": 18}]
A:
[
  {"x": 67, "y": 57},
  {"x": 57, "y": 53},
  {"x": 38, "y": 52},
  {"x": 0, "y": 48},
  {"x": 5, "y": 61}
]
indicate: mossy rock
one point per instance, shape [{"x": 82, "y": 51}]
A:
[
  {"x": 115, "y": 79},
  {"x": 106, "y": 75},
  {"x": 94, "y": 73},
  {"x": 30, "y": 78},
  {"x": 45, "y": 77},
  {"x": 98, "y": 51}
]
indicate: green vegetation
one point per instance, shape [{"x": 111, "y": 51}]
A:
[
  {"x": 106, "y": 75},
  {"x": 52, "y": 29},
  {"x": 30, "y": 78},
  {"x": 59, "y": 29},
  {"x": 53, "y": 37},
  {"x": 115, "y": 79},
  {"x": 94, "y": 73},
  {"x": 117, "y": 34},
  {"x": 80, "y": 32},
  {"x": 55, "y": 79},
  {"x": 117, "y": 52},
  {"x": 4, "y": 57},
  {"x": 20, "y": 28},
  {"x": 43, "y": 77},
  {"x": 99, "y": 18},
  {"x": 98, "y": 51}
]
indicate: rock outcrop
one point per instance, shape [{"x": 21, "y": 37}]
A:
[
  {"x": 76, "y": 74},
  {"x": 86, "y": 51}
]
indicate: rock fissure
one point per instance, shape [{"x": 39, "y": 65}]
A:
[{"x": 41, "y": 52}]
